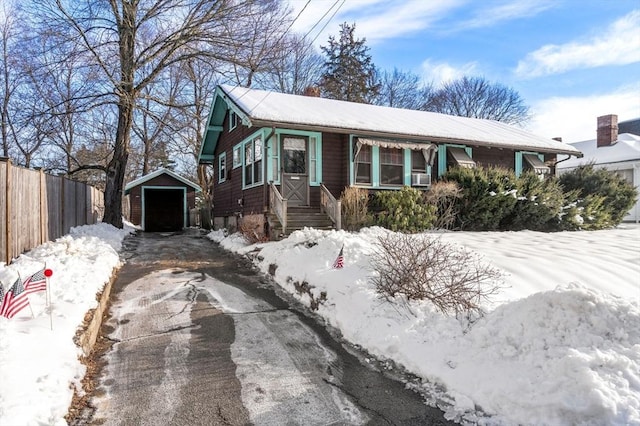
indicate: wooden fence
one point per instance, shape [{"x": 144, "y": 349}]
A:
[{"x": 36, "y": 208}]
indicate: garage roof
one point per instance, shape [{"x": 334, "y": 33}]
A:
[{"x": 155, "y": 174}]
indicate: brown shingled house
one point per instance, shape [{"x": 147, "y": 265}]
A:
[{"x": 285, "y": 159}]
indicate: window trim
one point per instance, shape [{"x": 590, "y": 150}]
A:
[
  {"x": 520, "y": 160},
  {"x": 442, "y": 156},
  {"x": 279, "y": 133},
  {"x": 233, "y": 120},
  {"x": 251, "y": 141}
]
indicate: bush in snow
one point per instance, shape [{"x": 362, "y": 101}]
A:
[
  {"x": 538, "y": 204},
  {"x": 405, "y": 210},
  {"x": 604, "y": 196},
  {"x": 488, "y": 196},
  {"x": 444, "y": 196},
  {"x": 422, "y": 268},
  {"x": 355, "y": 208},
  {"x": 252, "y": 228}
]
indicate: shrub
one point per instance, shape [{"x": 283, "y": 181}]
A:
[
  {"x": 488, "y": 196},
  {"x": 444, "y": 196},
  {"x": 539, "y": 203},
  {"x": 604, "y": 196},
  {"x": 252, "y": 228},
  {"x": 355, "y": 208},
  {"x": 421, "y": 268},
  {"x": 404, "y": 210}
]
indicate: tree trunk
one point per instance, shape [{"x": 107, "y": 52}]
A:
[
  {"x": 117, "y": 166},
  {"x": 126, "y": 94}
]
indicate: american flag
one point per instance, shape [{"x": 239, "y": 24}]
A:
[
  {"x": 339, "y": 263},
  {"x": 36, "y": 282},
  {"x": 15, "y": 300}
]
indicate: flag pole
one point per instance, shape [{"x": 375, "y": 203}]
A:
[
  {"x": 28, "y": 301},
  {"x": 47, "y": 275}
]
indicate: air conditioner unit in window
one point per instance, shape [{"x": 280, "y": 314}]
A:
[{"x": 420, "y": 179}]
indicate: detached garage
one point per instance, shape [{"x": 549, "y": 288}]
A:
[{"x": 160, "y": 201}]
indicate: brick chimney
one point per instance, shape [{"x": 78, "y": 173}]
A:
[
  {"x": 311, "y": 91},
  {"x": 607, "y": 130}
]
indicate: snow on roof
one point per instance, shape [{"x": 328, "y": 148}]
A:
[
  {"x": 626, "y": 148},
  {"x": 262, "y": 107},
  {"x": 157, "y": 173}
]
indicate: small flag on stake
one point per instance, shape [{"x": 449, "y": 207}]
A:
[
  {"x": 339, "y": 263},
  {"x": 15, "y": 300},
  {"x": 36, "y": 282}
]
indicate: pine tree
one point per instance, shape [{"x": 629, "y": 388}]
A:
[{"x": 349, "y": 73}]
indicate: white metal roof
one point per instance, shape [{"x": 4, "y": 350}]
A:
[{"x": 262, "y": 107}]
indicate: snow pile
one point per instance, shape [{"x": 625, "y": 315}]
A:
[
  {"x": 551, "y": 351},
  {"x": 38, "y": 357}
]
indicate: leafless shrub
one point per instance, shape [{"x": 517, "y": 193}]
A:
[
  {"x": 252, "y": 229},
  {"x": 417, "y": 267},
  {"x": 444, "y": 195},
  {"x": 355, "y": 208}
]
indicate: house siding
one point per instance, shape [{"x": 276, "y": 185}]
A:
[{"x": 227, "y": 193}]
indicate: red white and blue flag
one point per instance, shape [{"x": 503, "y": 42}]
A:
[
  {"x": 36, "y": 282},
  {"x": 339, "y": 263},
  {"x": 14, "y": 300}
]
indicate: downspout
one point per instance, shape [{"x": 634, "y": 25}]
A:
[
  {"x": 265, "y": 193},
  {"x": 568, "y": 157}
]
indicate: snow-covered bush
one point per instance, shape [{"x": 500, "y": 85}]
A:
[
  {"x": 419, "y": 267},
  {"x": 601, "y": 197},
  {"x": 487, "y": 196}
]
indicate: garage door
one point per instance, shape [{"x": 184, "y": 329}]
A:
[{"x": 164, "y": 209}]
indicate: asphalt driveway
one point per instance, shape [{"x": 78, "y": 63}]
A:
[{"x": 201, "y": 338}]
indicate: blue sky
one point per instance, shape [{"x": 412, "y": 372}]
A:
[{"x": 570, "y": 60}]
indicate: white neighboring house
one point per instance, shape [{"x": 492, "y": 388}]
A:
[{"x": 616, "y": 148}]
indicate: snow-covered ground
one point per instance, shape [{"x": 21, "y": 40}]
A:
[{"x": 559, "y": 345}]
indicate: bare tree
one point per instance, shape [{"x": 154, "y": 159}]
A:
[
  {"x": 478, "y": 98},
  {"x": 401, "y": 89},
  {"x": 9, "y": 75},
  {"x": 133, "y": 42},
  {"x": 295, "y": 67},
  {"x": 263, "y": 26},
  {"x": 200, "y": 81}
]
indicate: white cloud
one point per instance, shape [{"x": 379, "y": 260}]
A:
[
  {"x": 574, "y": 118},
  {"x": 510, "y": 10},
  {"x": 617, "y": 45},
  {"x": 438, "y": 73},
  {"x": 375, "y": 20}
]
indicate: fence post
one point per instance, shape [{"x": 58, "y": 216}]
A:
[
  {"x": 8, "y": 244},
  {"x": 43, "y": 211}
]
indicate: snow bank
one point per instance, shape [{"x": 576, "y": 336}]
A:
[{"x": 551, "y": 351}]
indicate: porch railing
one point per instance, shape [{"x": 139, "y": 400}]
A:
[
  {"x": 331, "y": 206},
  {"x": 278, "y": 206}
]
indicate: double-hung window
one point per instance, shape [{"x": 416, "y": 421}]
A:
[
  {"x": 363, "y": 165},
  {"x": 391, "y": 166},
  {"x": 253, "y": 161},
  {"x": 222, "y": 167},
  {"x": 237, "y": 156}
]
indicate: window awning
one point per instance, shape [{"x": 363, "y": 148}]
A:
[
  {"x": 461, "y": 157},
  {"x": 535, "y": 163},
  {"x": 428, "y": 150}
]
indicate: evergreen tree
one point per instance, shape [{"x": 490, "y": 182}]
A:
[{"x": 349, "y": 73}]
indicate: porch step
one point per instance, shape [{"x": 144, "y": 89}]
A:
[{"x": 298, "y": 218}]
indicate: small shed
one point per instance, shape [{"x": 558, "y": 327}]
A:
[{"x": 160, "y": 201}]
